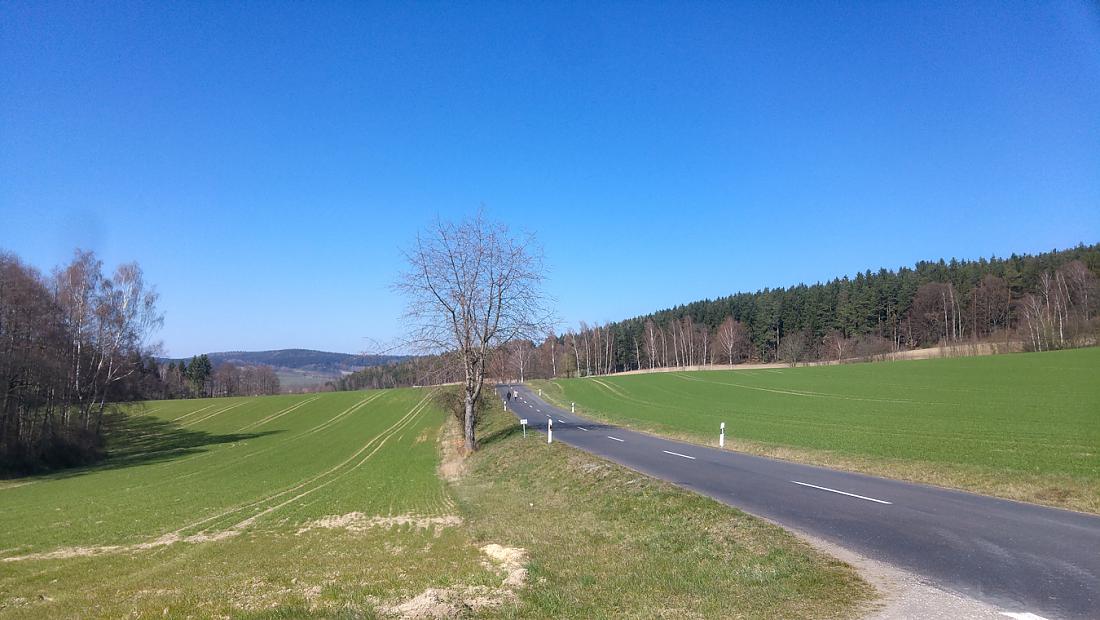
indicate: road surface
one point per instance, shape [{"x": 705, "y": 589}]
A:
[{"x": 1023, "y": 558}]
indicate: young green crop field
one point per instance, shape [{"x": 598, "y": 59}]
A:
[
  {"x": 333, "y": 505},
  {"x": 236, "y": 506},
  {"x": 1021, "y": 426}
]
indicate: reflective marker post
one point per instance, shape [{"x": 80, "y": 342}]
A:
[
  {"x": 722, "y": 436},
  {"x": 572, "y": 407},
  {"x": 549, "y": 430}
]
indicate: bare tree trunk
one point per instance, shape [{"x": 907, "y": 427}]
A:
[
  {"x": 468, "y": 422},
  {"x": 553, "y": 359},
  {"x": 587, "y": 355},
  {"x": 576, "y": 354},
  {"x": 610, "y": 352},
  {"x": 664, "y": 346}
]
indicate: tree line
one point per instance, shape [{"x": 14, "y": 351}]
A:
[
  {"x": 419, "y": 370},
  {"x": 71, "y": 343},
  {"x": 75, "y": 342},
  {"x": 199, "y": 379},
  {"x": 1040, "y": 302},
  {"x": 1044, "y": 301}
]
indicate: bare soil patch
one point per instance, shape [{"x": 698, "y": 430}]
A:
[
  {"x": 462, "y": 599},
  {"x": 360, "y": 522}
]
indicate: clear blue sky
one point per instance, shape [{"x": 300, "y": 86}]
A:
[{"x": 264, "y": 162}]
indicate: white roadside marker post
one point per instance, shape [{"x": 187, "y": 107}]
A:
[
  {"x": 540, "y": 392},
  {"x": 722, "y": 436},
  {"x": 572, "y": 407},
  {"x": 523, "y": 421},
  {"x": 549, "y": 430}
]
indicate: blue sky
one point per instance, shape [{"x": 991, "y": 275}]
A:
[{"x": 265, "y": 162}]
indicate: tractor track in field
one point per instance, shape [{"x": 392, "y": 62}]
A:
[
  {"x": 809, "y": 394},
  {"x": 276, "y": 415},
  {"x": 215, "y": 413},
  {"x": 306, "y": 487},
  {"x": 191, "y": 413},
  {"x": 247, "y": 455}
]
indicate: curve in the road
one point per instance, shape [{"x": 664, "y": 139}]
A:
[{"x": 1020, "y": 557}]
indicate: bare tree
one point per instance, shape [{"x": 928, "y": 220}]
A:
[
  {"x": 705, "y": 333},
  {"x": 109, "y": 318},
  {"x": 660, "y": 351},
  {"x": 935, "y": 314},
  {"x": 576, "y": 354},
  {"x": 68, "y": 346},
  {"x": 227, "y": 380},
  {"x": 1058, "y": 311},
  {"x": 471, "y": 286},
  {"x": 650, "y": 342},
  {"x": 519, "y": 354},
  {"x": 989, "y": 305},
  {"x": 552, "y": 340},
  {"x": 1080, "y": 285},
  {"x": 793, "y": 348},
  {"x": 733, "y": 336},
  {"x": 587, "y": 349},
  {"x": 836, "y": 343}
]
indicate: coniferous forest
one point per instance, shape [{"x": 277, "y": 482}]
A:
[{"x": 1022, "y": 302}]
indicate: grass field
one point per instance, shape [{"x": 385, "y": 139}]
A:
[
  {"x": 332, "y": 506},
  {"x": 1022, "y": 426},
  {"x": 218, "y": 507}
]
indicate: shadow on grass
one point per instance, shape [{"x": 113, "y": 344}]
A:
[
  {"x": 138, "y": 439},
  {"x": 499, "y": 434},
  {"x": 134, "y": 439}
]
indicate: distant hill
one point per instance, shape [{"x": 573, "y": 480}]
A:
[{"x": 301, "y": 367}]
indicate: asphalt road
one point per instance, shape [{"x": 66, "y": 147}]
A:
[{"x": 1020, "y": 557}]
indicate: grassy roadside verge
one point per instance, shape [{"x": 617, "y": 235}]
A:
[
  {"x": 1021, "y": 427},
  {"x": 604, "y": 541}
]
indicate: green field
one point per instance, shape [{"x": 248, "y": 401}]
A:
[
  {"x": 333, "y": 506},
  {"x": 215, "y": 507},
  {"x": 1023, "y": 426}
]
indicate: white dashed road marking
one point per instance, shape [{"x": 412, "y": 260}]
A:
[
  {"x": 814, "y": 486},
  {"x": 583, "y": 428},
  {"x": 615, "y": 438},
  {"x": 1022, "y": 615},
  {"x": 683, "y": 456}
]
